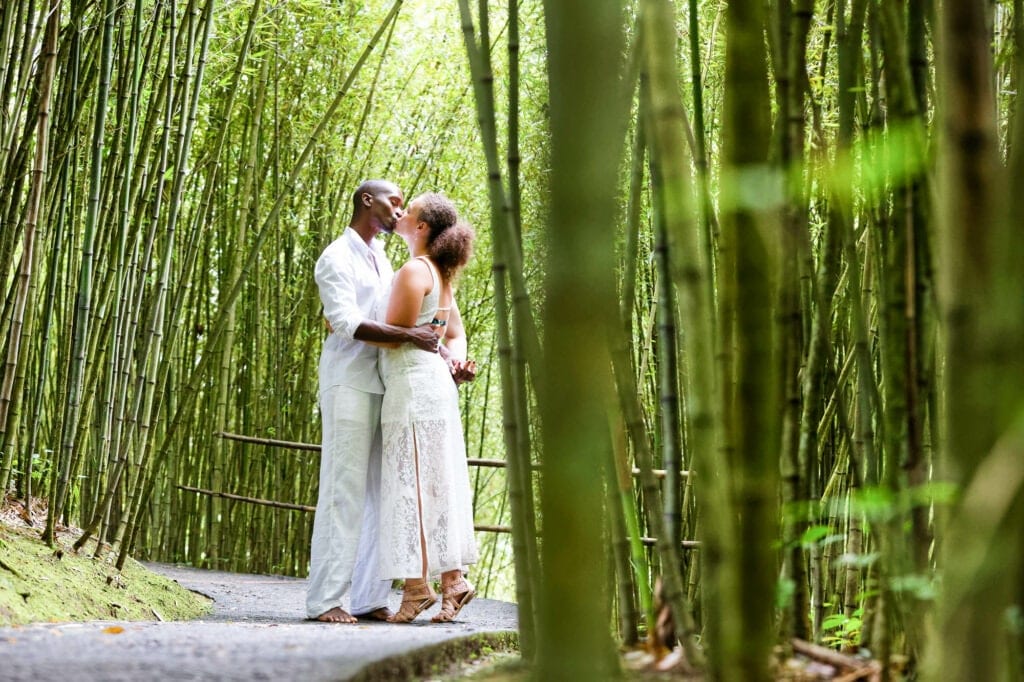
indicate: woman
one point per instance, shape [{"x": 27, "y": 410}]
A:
[{"x": 426, "y": 523}]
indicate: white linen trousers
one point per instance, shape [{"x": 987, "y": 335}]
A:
[{"x": 344, "y": 550}]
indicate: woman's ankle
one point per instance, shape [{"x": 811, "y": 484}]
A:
[{"x": 450, "y": 578}]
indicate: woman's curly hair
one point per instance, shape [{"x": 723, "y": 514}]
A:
[{"x": 450, "y": 242}]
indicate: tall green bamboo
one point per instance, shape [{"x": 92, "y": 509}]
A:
[
  {"x": 790, "y": 65},
  {"x": 152, "y": 341},
  {"x": 691, "y": 275},
  {"x": 83, "y": 308},
  {"x": 122, "y": 313},
  {"x": 17, "y": 343},
  {"x": 668, "y": 391},
  {"x": 515, "y": 159},
  {"x": 749, "y": 197},
  {"x": 850, "y": 68},
  {"x": 920, "y": 311},
  {"x": 507, "y": 262},
  {"x": 984, "y": 329},
  {"x": 586, "y": 129},
  {"x": 708, "y": 220},
  {"x": 219, "y": 455}
]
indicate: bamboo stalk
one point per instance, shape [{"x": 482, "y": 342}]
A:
[
  {"x": 28, "y": 258},
  {"x": 514, "y": 330},
  {"x": 746, "y": 133},
  {"x": 667, "y": 124},
  {"x": 668, "y": 388},
  {"x": 83, "y": 308},
  {"x": 982, "y": 404}
]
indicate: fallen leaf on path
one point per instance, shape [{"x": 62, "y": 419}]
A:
[{"x": 113, "y": 630}]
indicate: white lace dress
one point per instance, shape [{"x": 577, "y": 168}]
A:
[{"x": 420, "y": 421}]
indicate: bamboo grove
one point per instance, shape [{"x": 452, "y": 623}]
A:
[{"x": 746, "y": 297}]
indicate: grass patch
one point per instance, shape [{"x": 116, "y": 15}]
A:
[{"x": 53, "y": 585}]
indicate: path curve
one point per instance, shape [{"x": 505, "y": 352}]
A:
[{"x": 257, "y": 631}]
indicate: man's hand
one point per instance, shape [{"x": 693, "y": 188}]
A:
[
  {"x": 425, "y": 338},
  {"x": 391, "y": 336}
]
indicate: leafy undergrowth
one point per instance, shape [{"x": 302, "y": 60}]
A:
[
  {"x": 805, "y": 662},
  {"x": 508, "y": 666},
  {"x": 43, "y": 584}
]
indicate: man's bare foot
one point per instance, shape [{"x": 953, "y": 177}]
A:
[
  {"x": 336, "y": 615},
  {"x": 383, "y": 613}
]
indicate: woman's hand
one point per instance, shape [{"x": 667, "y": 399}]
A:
[{"x": 463, "y": 370}]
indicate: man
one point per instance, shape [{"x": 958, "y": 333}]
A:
[{"x": 352, "y": 273}]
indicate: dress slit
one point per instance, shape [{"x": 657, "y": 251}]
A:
[{"x": 419, "y": 503}]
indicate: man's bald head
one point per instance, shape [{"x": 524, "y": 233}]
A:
[
  {"x": 372, "y": 188},
  {"x": 376, "y": 207}
]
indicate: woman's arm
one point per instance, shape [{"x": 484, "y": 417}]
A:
[
  {"x": 455, "y": 337},
  {"x": 462, "y": 370}
]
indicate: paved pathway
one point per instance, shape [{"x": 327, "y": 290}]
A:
[{"x": 257, "y": 631}]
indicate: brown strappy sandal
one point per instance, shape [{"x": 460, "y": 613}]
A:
[
  {"x": 456, "y": 594},
  {"x": 415, "y": 600}
]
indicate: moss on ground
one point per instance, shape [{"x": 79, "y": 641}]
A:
[
  {"x": 43, "y": 584},
  {"x": 495, "y": 666},
  {"x": 452, "y": 659}
]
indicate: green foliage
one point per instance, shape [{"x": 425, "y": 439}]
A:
[
  {"x": 843, "y": 631},
  {"x": 819, "y": 535},
  {"x": 1015, "y": 620},
  {"x": 784, "y": 592},
  {"x": 880, "y": 503},
  {"x": 921, "y": 587}
]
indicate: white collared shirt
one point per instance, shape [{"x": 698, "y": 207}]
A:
[{"x": 351, "y": 277}]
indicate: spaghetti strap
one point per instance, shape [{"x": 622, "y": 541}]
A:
[{"x": 434, "y": 276}]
